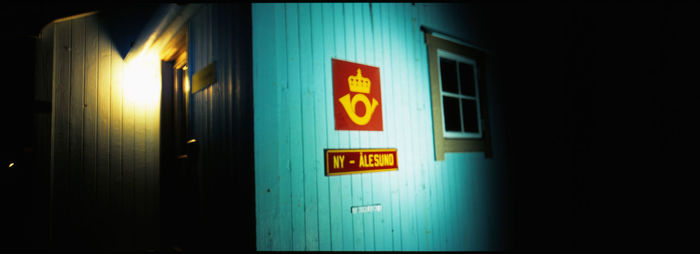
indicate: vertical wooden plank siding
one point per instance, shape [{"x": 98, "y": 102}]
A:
[
  {"x": 308, "y": 128},
  {"x": 266, "y": 182},
  {"x": 365, "y": 54},
  {"x": 449, "y": 206},
  {"x": 90, "y": 124},
  {"x": 379, "y": 188},
  {"x": 103, "y": 132},
  {"x": 336, "y": 219},
  {"x": 96, "y": 178},
  {"x": 421, "y": 222},
  {"x": 115, "y": 149},
  {"x": 341, "y": 51},
  {"x": 129, "y": 168},
  {"x": 295, "y": 115},
  {"x": 77, "y": 58},
  {"x": 137, "y": 146},
  {"x": 60, "y": 132},
  {"x": 285, "y": 165},
  {"x": 392, "y": 105},
  {"x": 355, "y": 185},
  {"x": 386, "y": 181},
  {"x": 320, "y": 113},
  {"x": 222, "y": 120},
  {"x": 427, "y": 204}
]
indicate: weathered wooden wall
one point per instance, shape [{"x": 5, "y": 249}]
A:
[
  {"x": 427, "y": 205},
  {"x": 104, "y": 152}
]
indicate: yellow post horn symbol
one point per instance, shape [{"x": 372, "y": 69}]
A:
[
  {"x": 350, "y": 107},
  {"x": 361, "y": 85}
]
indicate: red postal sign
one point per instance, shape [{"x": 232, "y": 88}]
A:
[
  {"x": 355, "y": 161},
  {"x": 357, "y": 96}
]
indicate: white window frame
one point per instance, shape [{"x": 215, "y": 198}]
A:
[{"x": 458, "y": 58}]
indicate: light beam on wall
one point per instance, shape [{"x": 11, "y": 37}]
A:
[{"x": 142, "y": 87}]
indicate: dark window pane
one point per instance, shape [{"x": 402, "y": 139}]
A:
[
  {"x": 451, "y": 111},
  {"x": 448, "y": 74},
  {"x": 466, "y": 78},
  {"x": 471, "y": 119}
]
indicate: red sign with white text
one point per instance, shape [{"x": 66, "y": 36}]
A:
[{"x": 357, "y": 96}]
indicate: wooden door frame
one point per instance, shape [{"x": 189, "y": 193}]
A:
[{"x": 174, "y": 134}]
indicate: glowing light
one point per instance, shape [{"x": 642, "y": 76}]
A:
[
  {"x": 187, "y": 82},
  {"x": 142, "y": 84},
  {"x": 11, "y": 164}
]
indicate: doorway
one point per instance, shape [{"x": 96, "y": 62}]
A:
[
  {"x": 207, "y": 146},
  {"x": 181, "y": 188}
]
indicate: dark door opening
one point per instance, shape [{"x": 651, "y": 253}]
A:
[
  {"x": 207, "y": 168},
  {"x": 181, "y": 194}
]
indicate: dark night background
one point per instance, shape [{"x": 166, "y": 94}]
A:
[{"x": 600, "y": 122}]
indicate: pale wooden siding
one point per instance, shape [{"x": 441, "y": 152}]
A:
[
  {"x": 427, "y": 204},
  {"x": 104, "y": 149}
]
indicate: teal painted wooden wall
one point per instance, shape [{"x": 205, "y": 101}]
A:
[{"x": 454, "y": 204}]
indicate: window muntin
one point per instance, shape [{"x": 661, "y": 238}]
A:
[{"x": 459, "y": 96}]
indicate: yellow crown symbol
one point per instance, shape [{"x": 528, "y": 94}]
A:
[{"x": 359, "y": 84}]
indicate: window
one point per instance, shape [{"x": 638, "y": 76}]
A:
[{"x": 458, "y": 95}]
